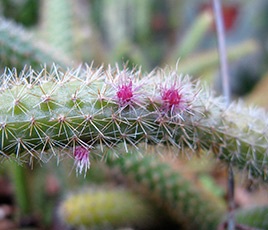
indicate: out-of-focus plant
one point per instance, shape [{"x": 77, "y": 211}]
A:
[{"x": 105, "y": 208}]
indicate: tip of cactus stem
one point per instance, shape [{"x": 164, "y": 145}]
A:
[{"x": 81, "y": 157}]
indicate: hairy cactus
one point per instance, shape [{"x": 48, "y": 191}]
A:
[
  {"x": 96, "y": 107},
  {"x": 185, "y": 202}
]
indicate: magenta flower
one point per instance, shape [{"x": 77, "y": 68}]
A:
[
  {"x": 173, "y": 102},
  {"x": 127, "y": 89},
  {"x": 81, "y": 156},
  {"x": 171, "y": 98},
  {"x": 125, "y": 94},
  {"x": 176, "y": 95}
]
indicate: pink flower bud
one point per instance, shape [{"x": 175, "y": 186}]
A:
[
  {"x": 171, "y": 98},
  {"x": 173, "y": 102},
  {"x": 125, "y": 94},
  {"x": 127, "y": 89},
  {"x": 81, "y": 155},
  {"x": 177, "y": 94}
]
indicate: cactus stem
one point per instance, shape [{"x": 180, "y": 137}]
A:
[{"x": 63, "y": 109}]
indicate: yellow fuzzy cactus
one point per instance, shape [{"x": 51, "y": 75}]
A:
[{"x": 100, "y": 208}]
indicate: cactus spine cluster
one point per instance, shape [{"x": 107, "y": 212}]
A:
[{"x": 55, "y": 109}]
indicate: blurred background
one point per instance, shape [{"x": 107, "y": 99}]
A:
[{"x": 132, "y": 33}]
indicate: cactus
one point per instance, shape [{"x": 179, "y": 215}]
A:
[
  {"x": 58, "y": 25},
  {"x": 17, "y": 48},
  {"x": 96, "y": 107},
  {"x": 184, "y": 201},
  {"x": 105, "y": 209}
]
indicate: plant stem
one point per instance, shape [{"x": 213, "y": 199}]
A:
[
  {"x": 222, "y": 50},
  {"x": 19, "y": 178},
  {"x": 226, "y": 93}
]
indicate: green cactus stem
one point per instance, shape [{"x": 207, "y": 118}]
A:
[
  {"x": 105, "y": 209},
  {"x": 103, "y": 107},
  {"x": 185, "y": 202}
]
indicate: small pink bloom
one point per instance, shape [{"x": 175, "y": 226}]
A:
[
  {"x": 125, "y": 94},
  {"x": 81, "y": 155},
  {"x": 173, "y": 101},
  {"x": 171, "y": 98},
  {"x": 127, "y": 88}
]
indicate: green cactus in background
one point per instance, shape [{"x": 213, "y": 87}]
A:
[
  {"x": 193, "y": 36},
  {"x": 184, "y": 201},
  {"x": 17, "y": 49},
  {"x": 106, "y": 209},
  {"x": 95, "y": 107},
  {"x": 60, "y": 34},
  {"x": 207, "y": 61}
]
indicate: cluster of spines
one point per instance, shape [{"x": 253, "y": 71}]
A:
[
  {"x": 185, "y": 202},
  {"x": 96, "y": 107}
]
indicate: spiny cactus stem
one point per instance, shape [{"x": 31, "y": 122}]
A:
[{"x": 91, "y": 107}]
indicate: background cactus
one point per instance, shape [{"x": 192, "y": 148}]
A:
[
  {"x": 60, "y": 35},
  {"x": 18, "y": 50},
  {"x": 185, "y": 203},
  {"x": 106, "y": 209}
]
